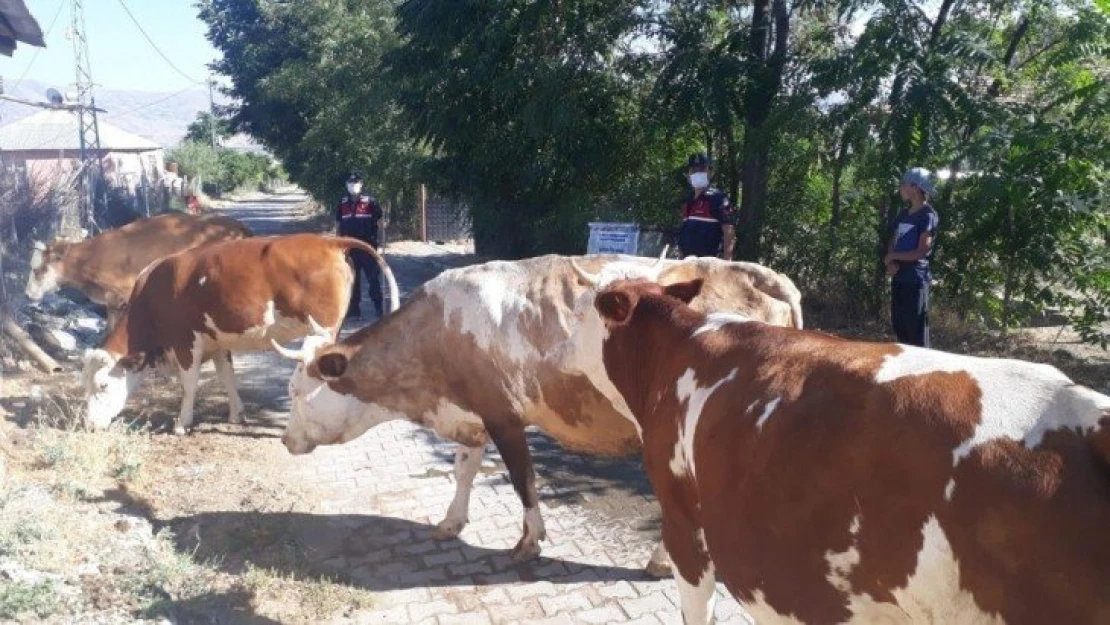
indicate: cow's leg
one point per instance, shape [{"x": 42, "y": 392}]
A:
[
  {"x": 659, "y": 565},
  {"x": 693, "y": 569},
  {"x": 510, "y": 441},
  {"x": 189, "y": 379},
  {"x": 697, "y": 597},
  {"x": 225, "y": 370},
  {"x": 467, "y": 462}
]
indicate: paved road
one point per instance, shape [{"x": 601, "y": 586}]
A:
[{"x": 387, "y": 488}]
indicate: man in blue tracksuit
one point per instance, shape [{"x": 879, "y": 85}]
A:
[
  {"x": 907, "y": 260},
  {"x": 357, "y": 216},
  {"x": 707, "y": 216}
]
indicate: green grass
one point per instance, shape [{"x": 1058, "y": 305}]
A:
[{"x": 21, "y": 599}]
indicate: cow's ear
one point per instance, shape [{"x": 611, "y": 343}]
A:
[
  {"x": 616, "y": 305},
  {"x": 332, "y": 366},
  {"x": 685, "y": 291}
]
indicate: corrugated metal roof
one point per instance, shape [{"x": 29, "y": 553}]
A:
[
  {"x": 17, "y": 24},
  {"x": 57, "y": 130}
]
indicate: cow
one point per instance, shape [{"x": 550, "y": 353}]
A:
[
  {"x": 826, "y": 480},
  {"x": 205, "y": 303},
  {"x": 106, "y": 266},
  {"x": 480, "y": 352}
]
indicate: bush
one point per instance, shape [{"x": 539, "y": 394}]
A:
[{"x": 221, "y": 170}]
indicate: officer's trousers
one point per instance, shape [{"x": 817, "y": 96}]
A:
[{"x": 363, "y": 265}]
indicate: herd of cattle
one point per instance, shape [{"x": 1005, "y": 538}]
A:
[{"x": 821, "y": 480}]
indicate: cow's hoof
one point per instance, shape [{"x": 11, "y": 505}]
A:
[
  {"x": 178, "y": 430},
  {"x": 235, "y": 419},
  {"x": 448, "y": 529},
  {"x": 658, "y": 570},
  {"x": 524, "y": 552}
]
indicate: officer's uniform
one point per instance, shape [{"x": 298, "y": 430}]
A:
[
  {"x": 358, "y": 218},
  {"x": 703, "y": 221}
]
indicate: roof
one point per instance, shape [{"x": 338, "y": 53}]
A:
[
  {"x": 57, "y": 130},
  {"x": 17, "y": 24}
]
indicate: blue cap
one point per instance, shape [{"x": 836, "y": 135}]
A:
[{"x": 919, "y": 177}]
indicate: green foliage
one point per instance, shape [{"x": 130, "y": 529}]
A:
[
  {"x": 543, "y": 116},
  {"x": 23, "y": 599},
  {"x": 309, "y": 88},
  {"x": 222, "y": 169},
  {"x": 195, "y": 160},
  {"x": 202, "y": 128}
]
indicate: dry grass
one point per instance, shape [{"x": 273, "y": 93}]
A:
[
  {"x": 80, "y": 538},
  {"x": 307, "y": 599}
]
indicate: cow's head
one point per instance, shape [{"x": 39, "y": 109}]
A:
[
  {"x": 618, "y": 302},
  {"x": 318, "y": 415},
  {"x": 46, "y": 268},
  {"x": 108, "y": 381}
]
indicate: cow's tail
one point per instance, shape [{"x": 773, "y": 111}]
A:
[{"x": 394, "y": 292}]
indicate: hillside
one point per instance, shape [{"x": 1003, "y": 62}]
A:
[{"x": 159, "y": 116}]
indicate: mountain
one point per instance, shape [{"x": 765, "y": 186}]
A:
[{"x": 161, "y": 117}]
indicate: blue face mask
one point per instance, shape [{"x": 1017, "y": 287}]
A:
[
  {"x": 699, "y": 180},
  {"x": 354, "y": 188}
]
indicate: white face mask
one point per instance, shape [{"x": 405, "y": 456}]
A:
[
  {"x": 699, "y": 180},
  {"x": 354, "y": 188}
]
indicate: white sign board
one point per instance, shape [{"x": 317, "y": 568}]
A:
[{"x": 613, "y": 238}]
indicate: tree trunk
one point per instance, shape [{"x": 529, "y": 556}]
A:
[
  {"x": 887, "y": 212},
  {"x": 764, "y": 81},
  {"x": 837, "y": 209}
]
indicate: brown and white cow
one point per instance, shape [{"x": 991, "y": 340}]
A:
[
  {"x": 106, "y": 266},
  {"x": 205, "y": 303},
  {"x": 481, "y": 352},
  {"x": 825, "y": 480}
]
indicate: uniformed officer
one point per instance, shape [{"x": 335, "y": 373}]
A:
[
  {"x": 708, "y": 219},
  {"x": 357, "y": 216}
]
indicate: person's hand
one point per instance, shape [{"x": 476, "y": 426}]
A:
[{"x": 891, "y": 267}]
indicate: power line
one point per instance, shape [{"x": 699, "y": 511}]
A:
[
  {"x": 148, "y": 104},
  {"x": 155, "y": 46},
  {"x": 35, "y": 56}
]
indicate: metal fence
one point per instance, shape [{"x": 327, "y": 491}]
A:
[{"x": 442, "y": 219}]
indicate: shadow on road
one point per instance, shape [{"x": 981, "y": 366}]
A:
[{"x": 374, "y": 552}]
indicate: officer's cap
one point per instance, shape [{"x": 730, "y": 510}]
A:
[{"x": 698, "y": 160}]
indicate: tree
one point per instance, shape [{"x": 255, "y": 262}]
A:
[
  {"x": 306, "y": 80},
  {"x": 543, "y": 116},
  {"x": 200, "y": 130},
  {"x": 528, "y": 107}
]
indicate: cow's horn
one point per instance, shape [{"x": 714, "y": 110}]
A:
[
  {"x": 317, "y": 328},
  {"x": 662, "y": 255},
  {"x": 584, "y": 275},
  {"x": 286, "y": 352}
]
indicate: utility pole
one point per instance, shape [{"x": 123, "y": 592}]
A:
[
  {"x": 211, "y": 112},
  {"x": 92, "y": 167}
]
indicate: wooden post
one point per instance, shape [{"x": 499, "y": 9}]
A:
[
  {"x": 29, "y": 347},
  {"x": 423, "y": 213}
]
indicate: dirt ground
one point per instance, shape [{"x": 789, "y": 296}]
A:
[{"x": 137, "y": 524}]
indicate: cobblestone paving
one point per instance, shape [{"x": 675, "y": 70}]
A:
[
  {"x": 385, "y": 491},
  {"x": 390, "y": 486}
]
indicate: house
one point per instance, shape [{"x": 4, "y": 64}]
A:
[{"x": 47, "y": 147}]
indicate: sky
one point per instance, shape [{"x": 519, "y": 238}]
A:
[{"x": 119, "y": 55}]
